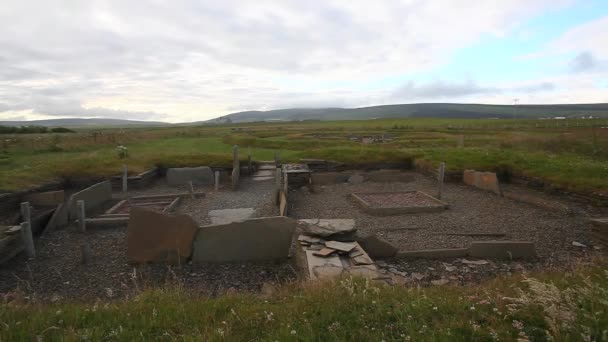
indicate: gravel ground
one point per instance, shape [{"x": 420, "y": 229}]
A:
[
  {"x": 471, "y": 211},
  {"x": 57, "y": 272},
  {"x": 396, "y": 200}
]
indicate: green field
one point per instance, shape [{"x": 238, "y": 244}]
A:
[{"x": 571, "y": 154}]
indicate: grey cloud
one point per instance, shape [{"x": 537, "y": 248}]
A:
[
  {"x": 439, "y": 89},
  {"x": 584, "y": 61}
]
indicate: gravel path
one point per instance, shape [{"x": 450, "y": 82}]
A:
[
  {"x": 57, "y": 272},
  {"x": 471, "y": 211}
]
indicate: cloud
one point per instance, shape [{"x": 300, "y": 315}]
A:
[
  {"x": 193, "y": 60},
  {"x": 584, "y": 61}
]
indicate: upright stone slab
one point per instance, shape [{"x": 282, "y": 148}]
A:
[
  {"x": 487, "y": 181},
  {"x": 46, "y": 199},
  {"x": 201, "y": 175},
  {"x": 94, "y": 197},
  {"x": 156, "y": 237},
  {"x": 469, "y": 177},
  {"x": 266, "y": 238}
]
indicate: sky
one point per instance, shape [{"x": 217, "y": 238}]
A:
[{"x": 193, "y": 60}]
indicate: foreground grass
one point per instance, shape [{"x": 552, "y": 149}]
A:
[{"x": 559, "y": 307}]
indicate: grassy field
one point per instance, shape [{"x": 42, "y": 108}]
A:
[
  {"x": 548, "y": 307},
  {"x": 571, "y": 154}
]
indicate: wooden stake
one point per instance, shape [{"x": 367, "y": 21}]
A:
[
  {"x": 124, "y": 178},
  {"x": 441, "y": 178},
  {"x": 217, "y": 181},
  {"x": 80, "y": 211},
  {"x": 191, "y": 189},
  {"x": 26, "y": 215},
  {"x": 28, "y": 239}
]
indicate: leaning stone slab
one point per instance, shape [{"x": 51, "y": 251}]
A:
[
  {"x": 434, "y": 253},
  {"x": 196, "y": 175},
  {"x": 503, "y": 249},
  {"x": 266, "y": 238},
  {"x": 58, "y": 220},
  {"x": 327, "y": 227},
  {"x": 94, "y": 197},
  {"x": 46, "y": 199},
  {"x": 377, "y": 247},
  {"x": 156, "y": 237},
  {"x": 224, "y": 216}
]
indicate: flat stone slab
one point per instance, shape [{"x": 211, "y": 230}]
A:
[
  {"x": 224, "y": 216},
  {"x": 184, "y": 175},
  {"x": 258, "y": 239},
  {"x": 327, "y": 227},
  {"x": 323, "y": 267},
  {"x": 398, "y": 202},
  {"x": 503, "y": 249},
  {"x": 600, "y": 223},
  {"x": 377, "y": 247}
]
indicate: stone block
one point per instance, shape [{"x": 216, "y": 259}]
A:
[
  {"x": 94, "y": 197},
  {"x": 46, "y": 199},
  {"x": 376, "y": 247},
  {"x": 156, "y": 237},
  {"x": 503, "y": 249},
  {"x": 487, "y": 181},
  {"x": 266, "y": 238},
  {"x": 469, "y": 177},
  {"x": 327, "y": 227},
  {"x": 197, "y": 175},
  {"x": 224, "y": 216}
]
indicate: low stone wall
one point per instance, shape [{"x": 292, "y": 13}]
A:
[
  {"x": 478, "y": 249},
  {"x": 139, "y": 181}
]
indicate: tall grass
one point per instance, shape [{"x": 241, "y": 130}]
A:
[{"x": 547, "y": 307}]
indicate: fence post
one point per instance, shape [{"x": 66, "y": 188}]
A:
[
  {"x": 441, "y": 178},
  {"x": 80, "y": 211}
]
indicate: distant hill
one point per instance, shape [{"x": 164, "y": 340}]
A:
[
  {"x": 83, "y": 123},
  {"x": 420, "y": 110}
]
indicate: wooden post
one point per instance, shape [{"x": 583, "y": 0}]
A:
[
  {"x": 26, "y": 215},
  {"x": 217, "y": 181},
  {"x": 125, "y": 178},
  {"x": 28, "y": 239},
  {"x": 191, "y": 189},
  {"x": 441, "y": 177},
  {"x": 285, "y": 183},
  {"x": 249, "y": 169},
  {"x": 80, "y": 206},
  {"x": 277, "y": 185},
  {"x": 236, "y": 170}
]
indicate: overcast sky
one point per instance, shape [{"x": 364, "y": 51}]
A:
[{"x": 194, "y": 60}]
